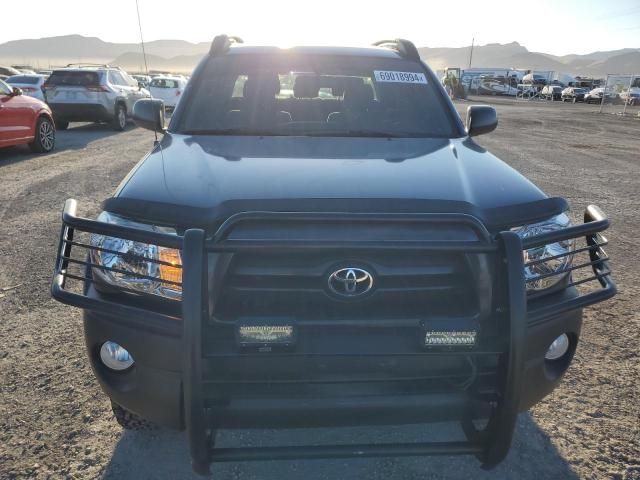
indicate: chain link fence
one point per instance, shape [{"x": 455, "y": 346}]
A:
[{"x": 619, "y": 95}]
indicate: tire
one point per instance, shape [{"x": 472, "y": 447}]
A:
[
  {"x": 129, "y": 420},
  {"x": 45, "y": 136},
  {"x": 119, "y": 122},
  {"x": 62, "y": 124}
]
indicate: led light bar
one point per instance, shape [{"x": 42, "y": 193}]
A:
[
  {"x": 449, "y": 333},
  {"x": 265, "y": 334},
  {"x": 450, "y": 339}
]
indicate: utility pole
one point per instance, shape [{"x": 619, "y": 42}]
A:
[{"x": 471, "y": 52}]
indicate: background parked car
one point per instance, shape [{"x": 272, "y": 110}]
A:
[
  {"x": 168, "y": 89},
  {"x": 24, "y": 69},
  {"x": 551, "y": 92},
  {"x": 6, "y": 72},
  {"x": 143, "y": 80},
  {"x": 25, "y": 120},
  {"x": 92, "y": 94},
  {"x": 631, "y": 96},
  {"x": 574, "y": 94},
  {"x": 29, "y": 84},
  {"x": 596, "y": 95}
]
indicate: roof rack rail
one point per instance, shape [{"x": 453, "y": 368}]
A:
[
  {"x": 103, "y": 65},
  {"x": 221, "y": 44},
  {"x": 404, "y": 47}
]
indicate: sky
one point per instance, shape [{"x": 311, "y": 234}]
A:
[{"x": 552, "y": 26}]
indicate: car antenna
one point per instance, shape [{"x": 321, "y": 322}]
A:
[{"x": 144, "y": 56}]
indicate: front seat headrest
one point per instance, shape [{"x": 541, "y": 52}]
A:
[
  {"x": 263, "y": 85},
  {"x": 306, "y": 87},
  {"x": 358, "y": 95}
]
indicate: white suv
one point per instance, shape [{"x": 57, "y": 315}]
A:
[
  {"x": 168, "y": 89},
  {"x": 92, "y": 93}
]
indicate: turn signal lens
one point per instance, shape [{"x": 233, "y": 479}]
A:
[{"x": 173, "y": 271}]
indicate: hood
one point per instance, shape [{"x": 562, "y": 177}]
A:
[{"x": 201, "y": 180}]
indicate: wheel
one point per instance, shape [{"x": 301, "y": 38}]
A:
[
  {"x": 61, "y": 124},
  {"x": 120, "y": 118},
  {"x": 45, "y": 136},
  {"x": 129, "y": 420}
]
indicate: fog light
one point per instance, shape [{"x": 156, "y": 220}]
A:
[
  {"x": 115, "y": 357},
  {"x": 557, "y": 348}
]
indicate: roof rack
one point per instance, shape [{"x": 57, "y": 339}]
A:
[
  {"x": 404, "y": 47},
  {"x": 81, "y": 65},
  {"x": 221, "y": 44}
]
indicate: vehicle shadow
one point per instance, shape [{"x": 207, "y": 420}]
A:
[
  {"x": 77, "y": 137},
  {"x": 165, "y": 455}
]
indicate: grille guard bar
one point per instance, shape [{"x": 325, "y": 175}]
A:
[{"x": 490, "y": 445}]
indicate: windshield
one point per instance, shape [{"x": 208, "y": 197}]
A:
[{"x": 316, "y": 95}]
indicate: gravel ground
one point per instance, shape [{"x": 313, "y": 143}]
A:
[{"x": 55, "y": 422}]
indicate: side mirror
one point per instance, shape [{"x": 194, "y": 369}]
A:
[
  {"x": 481, "y": 119},
  {"x": 140, "y": 85},
  {"x": 16, "y": 92},
  {"x": 149, "y": 113}
]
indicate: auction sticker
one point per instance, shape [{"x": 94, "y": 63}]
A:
[{"x": 399, "y": 77}]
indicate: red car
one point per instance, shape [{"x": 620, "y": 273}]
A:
[{"x": 25, "y": 120}]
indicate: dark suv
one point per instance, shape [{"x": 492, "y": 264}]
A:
[
  {"x": 574, "y": 94},
  {"x": 317, "y": 240}
]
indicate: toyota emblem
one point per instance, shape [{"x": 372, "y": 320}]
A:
[{"x": 350, "y": 282}]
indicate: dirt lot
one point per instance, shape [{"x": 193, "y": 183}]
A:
[{"x": 55, "y": 423}]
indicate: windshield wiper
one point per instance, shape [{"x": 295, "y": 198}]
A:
[
  {"x": 348, "y": 133},
  {"x": 229, "y": 131},
  {"x": 360, "y": 133},
  {"x": 293, "y": 132}
]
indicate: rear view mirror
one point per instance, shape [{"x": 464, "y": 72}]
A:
[
  {"x": 481, "y": 119},
  {"x": 149, "y": 113}
]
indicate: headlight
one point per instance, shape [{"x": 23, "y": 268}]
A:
[
  {"x": 128, "y": 257},
  {"x": 538, "y": 254}
]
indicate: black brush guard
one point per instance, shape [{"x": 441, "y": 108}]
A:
[{"x": 490, "y": 445}]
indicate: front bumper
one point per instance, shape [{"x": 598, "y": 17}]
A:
[
  {"x": 201, "y": 389},
  {"x": 157, "y": 375}
]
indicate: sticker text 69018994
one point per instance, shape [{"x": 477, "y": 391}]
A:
[{"x": 399, "y": 77}]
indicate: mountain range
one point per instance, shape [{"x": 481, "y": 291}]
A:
[{"x": 182, "y": 56}]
